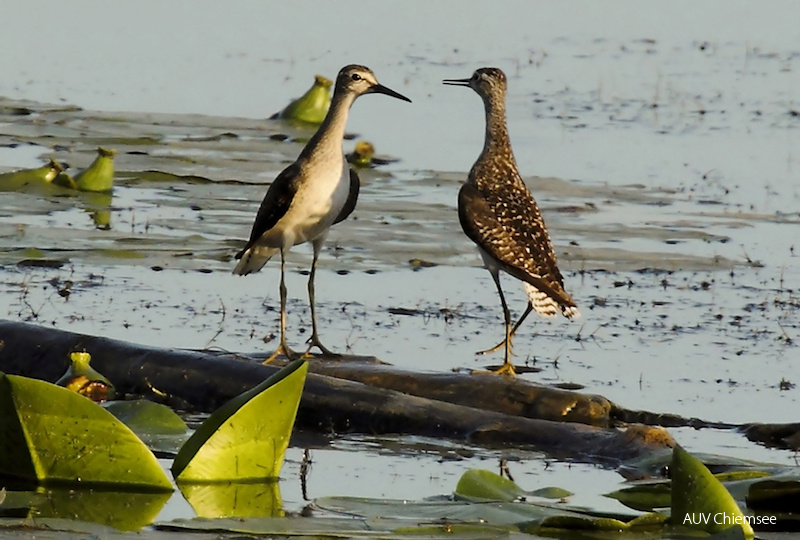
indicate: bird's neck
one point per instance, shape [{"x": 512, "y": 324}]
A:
[
  {"x": 327, "y": 141},
  {"x": 497, "y": 144}
]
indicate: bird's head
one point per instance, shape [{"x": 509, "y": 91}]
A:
[
  {"x": 360, "y": 80},
  {"x": 487, "y": 82}
]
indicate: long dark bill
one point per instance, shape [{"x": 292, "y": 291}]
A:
[
  {"x": 380, "y": 89},
  {"x": 456, "y": 82}
]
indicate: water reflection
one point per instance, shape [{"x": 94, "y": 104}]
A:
[{"x": 234, "y": 499}]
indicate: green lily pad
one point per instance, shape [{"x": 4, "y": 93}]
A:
[
  {"x": 551, "y": 492},
  {"x": 146, "y": 416},
  {"x": 644, "y": 496},
  {"x": 158, "y": 426},
  {"x": 774, "y": 495},
  {"x": 479, "y": 484},
  {"x": 246, "y": 438},
  {"x": 582, "y": 523},
  {"x": 53, "y": 435},
  {"x": 699, "y": 500}
]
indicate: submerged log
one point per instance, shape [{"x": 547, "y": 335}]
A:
[
  {"x": 516, "y": 397},
  {"x": 205, "y": 381}
]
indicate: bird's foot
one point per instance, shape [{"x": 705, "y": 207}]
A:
[
  {"x": 282, "y": 350},
  {"x": 506, "y": 370},
  {"x": 315, "y": 342}
]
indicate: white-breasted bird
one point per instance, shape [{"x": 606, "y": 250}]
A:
[{"x": 315, "y": 192}]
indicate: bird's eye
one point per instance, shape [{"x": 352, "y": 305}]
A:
[{"x": 355, "y": 77}]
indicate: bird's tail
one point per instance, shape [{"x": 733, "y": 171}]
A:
[
  {"x": 547, "y": 307},
  {"x": 253, "y": 259}
]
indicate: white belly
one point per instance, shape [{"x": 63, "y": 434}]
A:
[{"x": 314, "y": 208}]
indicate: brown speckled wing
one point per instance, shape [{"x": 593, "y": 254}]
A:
[{"x": 509, "y": 227}]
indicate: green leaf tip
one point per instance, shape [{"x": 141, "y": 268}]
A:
[
  {"x": 699, "y": 500},
  {"x": 246, "y": 438}
]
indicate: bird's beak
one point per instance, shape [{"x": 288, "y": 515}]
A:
[
  {"x": 456, "y": 82},
  {"x": 380, "y": 89}
]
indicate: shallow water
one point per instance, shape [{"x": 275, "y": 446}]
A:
[{"x": 666, "y": 152}]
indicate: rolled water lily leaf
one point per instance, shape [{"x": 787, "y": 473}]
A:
[
  {"x": 53, "y": 435},
  {"x": 99, "y": 176},
  {"x": 312, "y": 106},
  {"x": 479, "y": 484},
  {"x": 246, "y": 438},
  {"x": 41, "y": 175},
  {"x": 699, "y": 500},
  {"x": 82, "y": 378}
]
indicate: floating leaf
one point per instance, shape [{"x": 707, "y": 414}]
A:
[
  {"x": 479, "y": 484},
  {"x": 493, "y": 513},
  {"x": 99, "y": 176},
  {"x": 581, "y": 523},
  {"x": 699, "y": 500},
  {"x": 161, "y": 429},
  {"x": 312, "y": 106},
  {"x": 11, "y": 502},
  {"x": 147, "y": 416},
  {"x": 51, "y": 434},
  {"x": 551, "y": 492},
  {"x": 247, "y": 437},
  {"x": 774, "y": 495},
  {"x": 645, "y": 496}
]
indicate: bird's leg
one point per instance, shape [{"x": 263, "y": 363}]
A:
[
  {"x": 283, "y": 348},
  {"x": 314, "y": 341},
  {"x": 513, "y": 330},
  {"x": 507, "y": 368}
]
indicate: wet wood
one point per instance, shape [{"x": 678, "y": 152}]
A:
[
  {"x": 516, "y": 397},
  {"x": 786, "y": 436},
  {"x": 204, "y": 381}
]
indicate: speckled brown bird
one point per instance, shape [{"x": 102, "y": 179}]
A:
[{"x": 499, "y": 214}]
